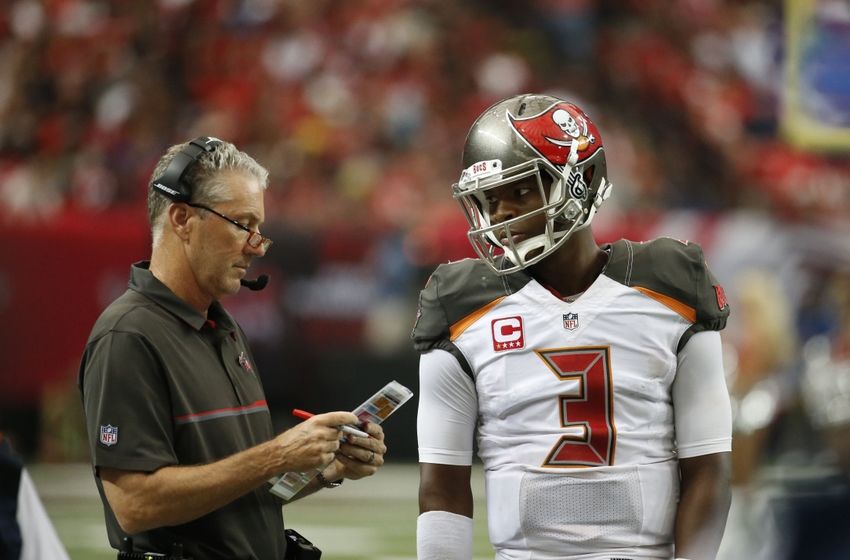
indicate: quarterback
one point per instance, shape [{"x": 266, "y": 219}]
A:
[{"x": 590, "y": 376}]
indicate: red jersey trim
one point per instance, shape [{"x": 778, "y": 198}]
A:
[{"x": 256, "y": 406}]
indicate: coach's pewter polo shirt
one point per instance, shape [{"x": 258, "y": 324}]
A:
[{"x": 162, "y": 386}]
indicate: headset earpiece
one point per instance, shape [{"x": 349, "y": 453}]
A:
[{"x": 171, "y": 182}]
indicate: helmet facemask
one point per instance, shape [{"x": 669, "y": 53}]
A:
[{"x": 564, "y": 194}]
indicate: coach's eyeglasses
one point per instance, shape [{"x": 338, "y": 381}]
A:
[{"x": 255, "y": 240}]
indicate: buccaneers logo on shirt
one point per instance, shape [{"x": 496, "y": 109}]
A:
[
  {"x": 559, "y": 131},
  {"x": 245, "y": 363}
]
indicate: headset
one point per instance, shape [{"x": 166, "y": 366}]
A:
[{"x": 172, "y": 185}]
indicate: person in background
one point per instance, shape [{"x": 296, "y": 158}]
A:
[
  {"x": 811, "y": 514},
  {"x": 179, "y": 429},
  {"x": 766, "y": 349},
  {"x": 26, "y": 532},
  {"x": 592, "y": 375},
  {"x": 762, "y": 374}
]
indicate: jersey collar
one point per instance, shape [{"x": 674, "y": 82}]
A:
[{"x": 143, "y": 281}]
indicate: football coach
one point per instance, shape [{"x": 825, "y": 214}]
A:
[{"x": 179, "y": 429}]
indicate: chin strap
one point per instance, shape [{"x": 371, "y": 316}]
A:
[
  {"x": 572, "y": 159},
  {"x": 603, "y": 192}
]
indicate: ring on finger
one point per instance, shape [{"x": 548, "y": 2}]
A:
[{"x": 371, "y": 457}]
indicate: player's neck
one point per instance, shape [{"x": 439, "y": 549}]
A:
[{"x": 574, "y": 267}]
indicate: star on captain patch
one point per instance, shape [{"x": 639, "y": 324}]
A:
[{"x": 571, "y": 321}]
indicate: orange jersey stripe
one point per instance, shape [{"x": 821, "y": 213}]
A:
[
  {"x": 457, "y": 329},
  {"x": 686, "y": 311}
]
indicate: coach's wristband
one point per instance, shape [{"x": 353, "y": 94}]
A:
[{"x": 327, "y": 483}]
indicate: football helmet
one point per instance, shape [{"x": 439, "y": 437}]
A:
[{"x": 537, "y": 136}]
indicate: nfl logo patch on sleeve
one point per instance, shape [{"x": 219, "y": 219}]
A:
[{"x": 109, "y": 435}]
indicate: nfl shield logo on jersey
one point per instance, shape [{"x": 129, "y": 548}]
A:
[
  {"x": 571, "y": 321},
  {"x": 108, "y": 435},
  {"x": 507, "y": 333}
]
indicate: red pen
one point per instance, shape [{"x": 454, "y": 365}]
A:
[{"x": 304, "y": 415}]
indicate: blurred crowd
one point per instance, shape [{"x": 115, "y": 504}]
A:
[{"x": 360, "y": 109}]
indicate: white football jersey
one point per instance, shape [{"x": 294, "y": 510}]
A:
[{"x": 575, "y": 416}]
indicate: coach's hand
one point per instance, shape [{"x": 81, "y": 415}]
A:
[
  {"x": 358, "y": 456},
  {"x": 312, "y": 443}
]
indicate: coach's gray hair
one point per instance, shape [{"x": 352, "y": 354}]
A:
[{"x": 203, "y": 177}]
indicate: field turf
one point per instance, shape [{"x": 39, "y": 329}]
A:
[{"x": 372, "y": 519}]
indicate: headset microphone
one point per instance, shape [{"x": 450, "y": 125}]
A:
[{"x": 257, "y": 284}]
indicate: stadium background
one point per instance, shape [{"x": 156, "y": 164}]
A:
[{"x": 725, "y": 122}]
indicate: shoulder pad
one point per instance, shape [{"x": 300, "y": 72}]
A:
[
  {"x": 455, "y": 291},
  {"x": 676, "y": 271}
]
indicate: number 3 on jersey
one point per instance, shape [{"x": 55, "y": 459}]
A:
[{"x": 587, "y": 409}]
